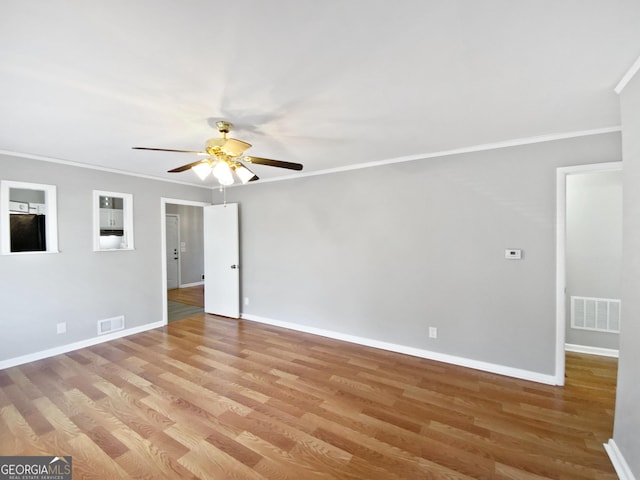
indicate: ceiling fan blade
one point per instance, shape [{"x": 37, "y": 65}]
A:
[
  {"x": 170, "y": 150},
  {"x": 273, "y": 163},
  {"x": 233, "y": 147},
  {"x": 185, "y": 167}
]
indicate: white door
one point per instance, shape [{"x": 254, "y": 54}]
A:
[
  {"x": 221, "y": 254},
  {"x": 173, "y": 255}
]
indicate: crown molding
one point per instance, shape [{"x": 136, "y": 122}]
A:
[
  {"x": 627, "y": 76},
  {"x": 456, "y": 151},
  {"x": 357, "y": 166},
  {"x": 43, "y": 158}
]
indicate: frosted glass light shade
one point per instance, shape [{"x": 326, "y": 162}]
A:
[
  {"x": 202, "y": 170},
  {"x": 223, "y": 173},
  {"x": 244, "y": 174}
]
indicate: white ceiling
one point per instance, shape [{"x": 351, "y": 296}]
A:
[{"x": 327, "y": 83}]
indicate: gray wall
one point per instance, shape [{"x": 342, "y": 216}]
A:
[
  {"x": 192, "y": 234},
  {"x": 594, "y": 247},
  {"x": 79, "y": 286},
  {"x": 627, "y": 420},
  {"x": 385, "y": 252}
]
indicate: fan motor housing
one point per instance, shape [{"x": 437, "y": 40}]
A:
[{"x": 223, "y": 127}]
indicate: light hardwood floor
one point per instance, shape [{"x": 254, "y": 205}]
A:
[
  {"x": 214, "y": 398},
  {"x": 189, "y": 296}
]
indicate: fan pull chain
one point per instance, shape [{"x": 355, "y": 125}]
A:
[{"x": 224, "y": 193}]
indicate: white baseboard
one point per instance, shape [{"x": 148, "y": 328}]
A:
[
  {"x": 194, "y": 284},
  {"x": 393, "y": 347},
  {"x": 32, "y": 357},
  {"x": 617, "y": 459},
  {"x": 415, "y": 352},
  {"x": 603, "y": 352}
]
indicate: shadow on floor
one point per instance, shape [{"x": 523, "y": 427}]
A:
[{"x": 178, "y": 311}]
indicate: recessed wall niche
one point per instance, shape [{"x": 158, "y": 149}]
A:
[
  {"x": 112, "y": 221},
  {"x": 28, "y": 218}
]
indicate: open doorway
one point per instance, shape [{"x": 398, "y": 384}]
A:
[
  {"x": 182, "y": 237},
  {"x": 173, "y": 250},
  {"x": 587, "y": 307},
  {"x": 594, "y": 262}
]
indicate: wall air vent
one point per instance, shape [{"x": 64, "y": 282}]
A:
[
  {"x": 598, "y": 314},
  {"x": 109, "y": 325}
]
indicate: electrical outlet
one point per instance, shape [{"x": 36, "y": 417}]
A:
[
  {"x": 246, "y": 300},
  {"x": 61, "y": 328},
  {"x": 513, "y": 254},
  {"x": 433, "y": 332}
]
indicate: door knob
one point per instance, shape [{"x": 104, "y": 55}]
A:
[
  {"x": 234, "y": 267},
  {"x": 175, "y": 258}
]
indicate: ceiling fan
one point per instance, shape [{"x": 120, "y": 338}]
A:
[{"x": 225, "y": 157}]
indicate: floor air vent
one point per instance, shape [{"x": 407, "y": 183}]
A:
[
  {"x": 109, "y": 325},
  {"x": 599, "y": 314}
]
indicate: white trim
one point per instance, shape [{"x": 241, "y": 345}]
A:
[
  {"x": 193, "y": 284},
  {"x": 592, "y": 168},
  {"x": 178, "y": 201},
  {"x": 51, "y": 215},
  {"x": 100, "y": 168},
  {"x": 413, "y": 351},
  {"x": 445, "y": 153},
  {"x": 561, "y": 241},
  {"x": 51, "y": 352},
  {"x": 409, "y": 158},
  {"x": 627, "y": 76},
  {"x": 163, "y": 246},
  {"x": 617, "y": 459},
  {"x": 127, "y": 220},
  {"x": 603, "y": 352}
]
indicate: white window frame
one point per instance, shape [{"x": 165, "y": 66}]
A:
[
  {"x": 127, "y": 212},
  {"x": 51, "y": 216}
]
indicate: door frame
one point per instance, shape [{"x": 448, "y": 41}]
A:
[
  {"x": 179, "y": 252},
  {"x": 561, "y": 245},
  {"x": 163, "y": 247}
]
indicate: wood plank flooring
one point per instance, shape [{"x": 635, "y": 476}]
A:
[
  {"x": 189, "y": 296},
  {"x": 184, "y": 302},
  {"x": 215, "y": 398},
  {"x": 178, "y": 311}
]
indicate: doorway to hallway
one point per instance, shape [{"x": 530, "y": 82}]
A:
[
  {"x": 172, "y": 251},
  {"x": 185, "y": 302},
  {"x": 190, "y": 253}
]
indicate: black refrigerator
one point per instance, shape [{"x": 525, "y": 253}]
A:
[{"x": 28, "y": 233}]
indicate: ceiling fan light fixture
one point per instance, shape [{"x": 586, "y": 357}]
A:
[
  {"x": 244, "y": 174},
  {"x": 224, "y": 153},
  {"x": 223, "y": 173},
  {"x": 202, "y": 169}
]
